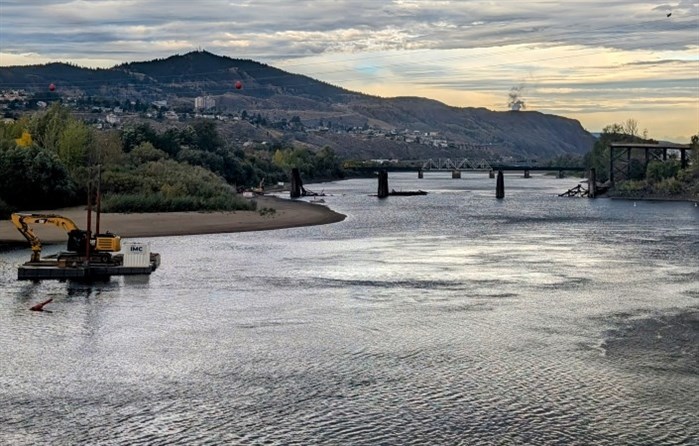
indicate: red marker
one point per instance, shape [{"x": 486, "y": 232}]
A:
[
  {"x": 52, "y": 87},
  {"x": 238, "y": 85},
  {"x": 40, "y": 307}
]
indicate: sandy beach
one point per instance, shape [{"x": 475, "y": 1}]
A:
[{"x": 286, "y": 214}]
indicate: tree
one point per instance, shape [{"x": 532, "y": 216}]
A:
[
  {"x": 145, "y": 152},
  {"x": 34, "y": 178},
  {"x": 106, "y": 149},
  {"x": 133, "y": 136},
  {"x": 694, "y": 157},
  {"x": 25, "y": 140},
  {"x": 46, "y": 127},
  {"x": 206, "y": 135},
  {"x": 73, "y": 144},
  {"x": 631, "y": 127}
]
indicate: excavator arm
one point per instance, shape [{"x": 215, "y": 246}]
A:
[
  {"x": 22, "y": 222},
  {"x": 79, "y": 242}
]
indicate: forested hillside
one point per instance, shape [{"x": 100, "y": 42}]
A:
[{"x": 50, "y": 159}]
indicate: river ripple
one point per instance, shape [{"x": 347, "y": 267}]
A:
[{"x": 450, "y": 318}]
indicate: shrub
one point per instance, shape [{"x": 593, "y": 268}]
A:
[
  {"x": 158, "y": 202},
  {"x": 658, "y": 171},
  {"x": 670, "y": 186},
  {"x": 632, "y": 186}
]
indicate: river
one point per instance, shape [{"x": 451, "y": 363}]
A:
[{"x": 445, "y": 319}]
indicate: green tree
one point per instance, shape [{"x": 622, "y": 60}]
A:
[
  {"x": 34, "y": 178},
  {"x": 73, "y": 144},
  {"x": 694, "y": 156},
  {"x": 46, "y": 127},
  {"x": 132, "y": 136},
  {"x": 206, "y": 135},
  {"x": 106, "y": 149},
  {"x": 146, "y": 152}
]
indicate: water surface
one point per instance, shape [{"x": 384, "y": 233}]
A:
[{"x": 451, "y": 318}]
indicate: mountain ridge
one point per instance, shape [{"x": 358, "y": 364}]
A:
[{"x": 278, "y": 94}]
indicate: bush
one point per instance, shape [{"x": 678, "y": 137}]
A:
[
  {"x": 158, "y": 202},
  {"x": 632, "y": 186},
  {"x": 34, "y": 178},
  {"x": 658, "y": 171},
  {"x": 670, "y": 186}
]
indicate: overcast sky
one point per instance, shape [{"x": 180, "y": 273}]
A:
[{"x": 600, "y": 62}]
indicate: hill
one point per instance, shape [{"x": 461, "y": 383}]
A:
[{"x": 356, "y": 125}]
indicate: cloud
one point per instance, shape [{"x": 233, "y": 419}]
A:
[
  {"x": 477, "y": 48},
  {"x": 274, "y": 26}
]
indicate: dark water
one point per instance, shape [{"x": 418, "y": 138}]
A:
[{"x": 450, "y": 318}]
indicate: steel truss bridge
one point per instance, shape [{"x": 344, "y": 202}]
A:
[
  {"x": 447, "y": 164},
  {"x": 462, "y": 164}
]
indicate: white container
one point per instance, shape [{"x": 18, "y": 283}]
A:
[{"x": 136, "y": 254}]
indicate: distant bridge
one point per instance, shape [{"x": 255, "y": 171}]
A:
[
  {"x": 447, "y": 164},
  {"x": 462, "y": 164}
]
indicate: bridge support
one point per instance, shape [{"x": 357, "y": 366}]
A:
[
  {"x": 420, "y": 175},
  {"x": 296, "y": 183},
  {"x": 491, "y": 174},
  {"x": 592, "y": 183},
  {"x": 455, "y": 174},
  {"x": 383, "y": 184},
  {"x": 526, "y": 173},
  {"x": 500, "y": 186},
  {"x": 560, "y": 174}
]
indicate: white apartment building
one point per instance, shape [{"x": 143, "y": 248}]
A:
[{"x": 204, "y": 102}]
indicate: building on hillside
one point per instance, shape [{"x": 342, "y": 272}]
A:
[
  {"x": 112, "y": 119},
  {"x": 204, "y": 102}
]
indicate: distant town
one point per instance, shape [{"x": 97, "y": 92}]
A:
[{"x": 113, "y": 114}]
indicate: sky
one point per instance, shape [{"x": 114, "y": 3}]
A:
[{"x": 600, "y": 62}]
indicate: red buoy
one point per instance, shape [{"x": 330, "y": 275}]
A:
[
  {"x": 40, "y": 307},
  {"x": 52, "y": 87},
  {"x": 238, "y": 85}
]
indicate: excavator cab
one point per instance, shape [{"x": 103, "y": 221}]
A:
[{"x": 77, "y": 242}]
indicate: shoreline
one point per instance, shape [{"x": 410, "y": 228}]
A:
[
  {"x": 652, "y": 198},
  {"x": 287, "y": 214}
]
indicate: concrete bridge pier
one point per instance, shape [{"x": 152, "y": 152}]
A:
[
  {"x": 491, "y": 174},
  {"x": 420, "y": 174},
  {"x": 526, "y": 173},
  {"x": 455, "y": 174},
  {"x": 296, "y": 183},
  {"x": 383, "y": 184},
  {"x": 500, "y": 186},
  {"x": 560, "y": 174},
  {"x": 592, "y": 183}
]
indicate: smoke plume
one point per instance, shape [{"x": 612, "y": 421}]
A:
[{"x": 515, "y": 100}]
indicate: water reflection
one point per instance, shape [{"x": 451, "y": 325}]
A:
[{"x": 450, "y": 318}]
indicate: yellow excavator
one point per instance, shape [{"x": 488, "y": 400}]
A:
[{"x": 82, "y": 245}]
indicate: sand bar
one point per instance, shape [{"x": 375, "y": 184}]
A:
[{"x": 287, "y": 214}]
